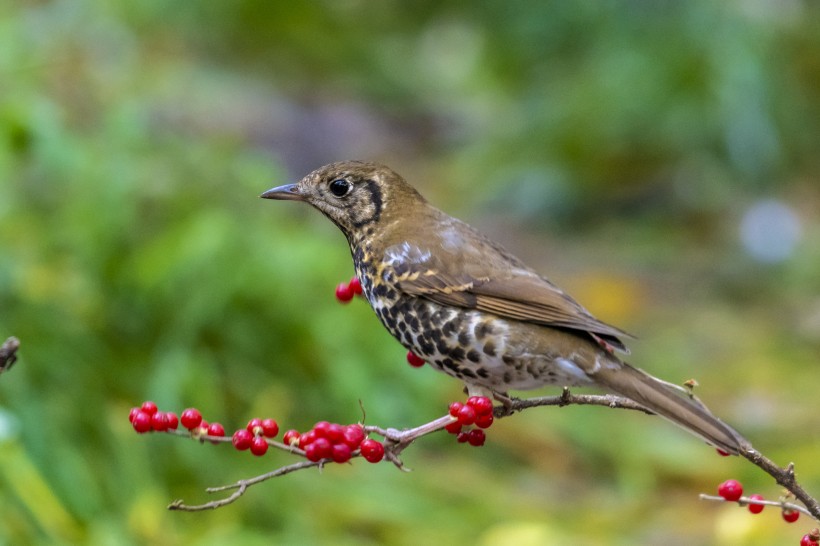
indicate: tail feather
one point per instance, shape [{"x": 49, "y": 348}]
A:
[{"x": 673, "y": 405}]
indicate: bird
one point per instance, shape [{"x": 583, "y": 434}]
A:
[{"x": 473, "y": 310}]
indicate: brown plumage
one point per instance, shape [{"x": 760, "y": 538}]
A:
[{"x": 473, "y": 310}]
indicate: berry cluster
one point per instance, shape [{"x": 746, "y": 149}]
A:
[
  {"x": 732, "y": 491},
  {"x": 336, "y": 442},
  {"x": 478, "y": 411},
  {"x": 148, "y": 418},
  {"x": 255, "y": 436},
  {"x": 193, "y": 421},
  {"x": 324, "y": 441},
  {"x": 346, "y": 291}
]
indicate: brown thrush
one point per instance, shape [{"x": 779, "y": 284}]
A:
[{"x": 473, "y": 310}]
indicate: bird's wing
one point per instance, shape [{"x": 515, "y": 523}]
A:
[{"x": 508, "y": 291}]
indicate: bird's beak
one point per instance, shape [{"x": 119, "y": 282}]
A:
[{"x": 288, "y": 192}]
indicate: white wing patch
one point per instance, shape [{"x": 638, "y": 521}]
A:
[{"x": 406, "y": 253}]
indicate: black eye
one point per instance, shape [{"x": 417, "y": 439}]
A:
[{"x": 339, "y": 187}]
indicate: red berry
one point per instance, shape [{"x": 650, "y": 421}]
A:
[
  {"x": 190, "y": 418},
  {"x": 259, "y": 446},
  {"x": 476, "y": 437},
  {"x": 291, "y": 438},
  {"x": 344, "y": 293},
  {"x": 270, "y": 428},
  {"x": 453, "y": 428},
  {"x": 481, "y": 404},
  {"x": 255, "y": 426},
  {"x": 141, "y": 422},
  {"x": 216, "y": 429},
  {"x": 159, "y": 422},
  {"x": 454, "y": 408},
  {"x": 756, "y": 508},
  {"x": 340, "y": 453},
  {"x": 790, "y": 515},
  {"x": 466, "y": 415},
  {"x": 372, "y": 450},
  {"x": 355, "y": 285},
  {"x": 731, "y": 490},
  {"x": 414, "y": 360},
  {"x": 335, "y": 433},
  {"x": 323, "y": 447},
  {"x": 462, "y": 437},
  {"x": 307, "y": 438},
  {"x": 311, "y": 453},
  {"x": 809, "y": 539},
  {"x": 722, "y": 453},
  {"x": 149, "y": 407},
  {"x": 173, "y": 421},
  {"x": 484, "y": 421},
  {"x": 132, "y": 413},
  {"x": 320, "y": 429},
  {"x": 241, "y": 439},
  {"x": 353, "y": 436}
]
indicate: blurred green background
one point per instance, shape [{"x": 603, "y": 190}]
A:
[{"x": 659, "y": 160}]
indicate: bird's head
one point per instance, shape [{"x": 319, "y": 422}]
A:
[{"x": 357, "y": 196}]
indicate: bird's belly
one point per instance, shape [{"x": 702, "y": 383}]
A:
[{"x": 479, "y": 348}]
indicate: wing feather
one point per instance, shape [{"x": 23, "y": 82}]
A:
[{"x": 517, "y": 294}]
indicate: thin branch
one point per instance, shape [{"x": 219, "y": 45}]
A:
[
  {"x": 241, "y": 487},
  {"x": 784, "y": 477},
  {"x": 566, "y": 398},
  {"x": 398, "y": 440}
]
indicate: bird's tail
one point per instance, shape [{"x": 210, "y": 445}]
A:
[{"x": 673, "y": 404}]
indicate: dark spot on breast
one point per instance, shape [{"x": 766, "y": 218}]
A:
[
  {"x": 463, "y": 339},
  {"x": 442, "y": 347},
  {"x": 507, "y": 377},
  {"x": 482, "y": 372},
  {"x": 489, "y": 348},
  {"x": 467, "y": 372},
  {"x": 427, "y": 348},
  {"x": 449, "y": 364},
  {"x": 379, "y": 290},
  {"x": 457, "y": 353},
  {"x": 413, "y": 323},
  {"x": 482, "y": 330},
  {"x": 473, "y": 356}
]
